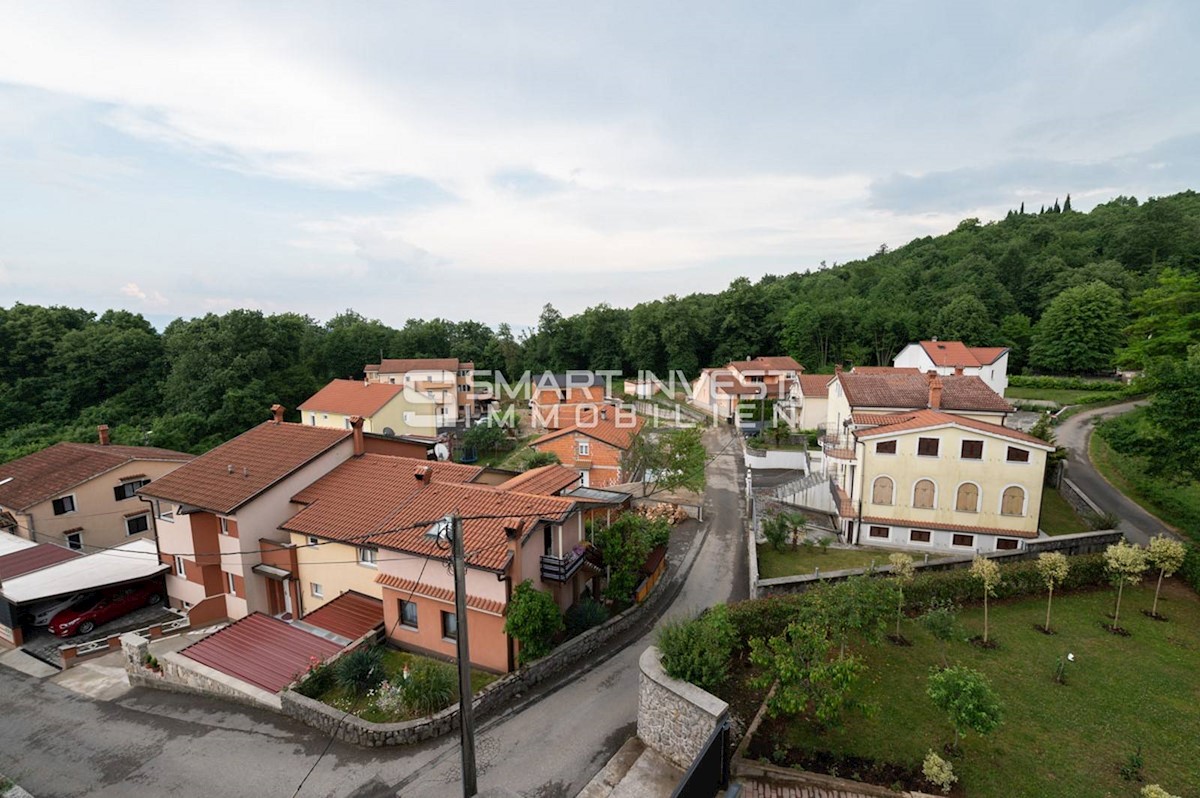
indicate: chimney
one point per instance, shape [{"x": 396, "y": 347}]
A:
[
  {"x": 423, "y": 474},
  {"x": 603, "y": 413},
  {"x": 935, "y": 393},
  {"x": 360, "y": 446},
  {"x": 277, "y": 412},
  {"x": 103, "y": 430},
  {"x": 958, "y": 371},
  {"x": 837, "y": 368}
]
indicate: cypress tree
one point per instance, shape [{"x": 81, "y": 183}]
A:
[
  {"x": 1056, "y": 208},
  {"x": 1067, "y": 205},
  {"x": 1022, "y": 211}
]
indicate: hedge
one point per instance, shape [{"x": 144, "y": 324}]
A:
[
  {"x": 1190, "y": 572},
  {"x": 1065, "y": 383},
  {"x": 768, "y": 617}
]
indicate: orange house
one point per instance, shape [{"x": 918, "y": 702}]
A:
[{"x": 594, "y": 445}]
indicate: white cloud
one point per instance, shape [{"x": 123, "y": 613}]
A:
[{"x": 152, "y": 299}]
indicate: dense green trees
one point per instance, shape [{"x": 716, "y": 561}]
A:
[{"x": 1080, "y": 330}]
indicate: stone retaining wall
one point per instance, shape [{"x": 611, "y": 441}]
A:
[
  {"x": 674, "y": 718},
  {"x": 181, "y": 674},
  {"x": 787, "y": 781},
  {"x": 1077, "y": 498}
]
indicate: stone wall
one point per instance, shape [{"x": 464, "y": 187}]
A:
[
  {"x": 674, "y": 718},
  {"x": 1077, "y": 498},
  {"x": 181, "y": 674}
]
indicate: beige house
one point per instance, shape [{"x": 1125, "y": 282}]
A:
[
  {"x": 883, "y": 390},
  {"x": 721, "y": 391},
  {"x": 446, "y": 384},
  {"x": 83, "y": 495},
  {"x": 808, "y": 401},
  {"x": 386, "y": 408}
]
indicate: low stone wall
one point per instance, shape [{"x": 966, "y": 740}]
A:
[
  {"x": 181, "y": 674},
  {"x": 674, "y": 718},
  {"x": 776, "y": 458},
  {"x": 1070, "y": 545},
  {"x": 1077, "y": 498},
  {"x": 803, "y": 783}
]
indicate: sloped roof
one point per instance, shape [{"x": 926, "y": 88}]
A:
[
  {"x": 885, "y": 370},
  {"x": 350, "y": 615},
  {"x": 10, "y": 543},
  {"x": 905, "y": 390},
  {"x": 600, "y": 428},
  {"x": 772, "y": 363},
  {"x": 56, "y": 469},
  {"x": 232, "y": 474},
  {"x": 927, "y": 419},
  {"x": 264, "y": 651},
  {"x": 545, "y": 481},
  {"x": 987, "y": 355},
  {"x": 815, "y": 385},
  {"x": 403, "y": 365},
  {"x": 137, "y": 559},
  {"x": 38, "y": 556},
  {"x": 438, "y": 593},
  {"x": 949, "y": 353},
  {"x": 352, "y": 397}
]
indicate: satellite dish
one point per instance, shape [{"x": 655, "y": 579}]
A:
[
  {"x": 442, "y": 451},
  {"x": 389, "y": 432}
]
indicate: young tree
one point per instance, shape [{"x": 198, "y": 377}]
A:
[
  {"x": 1166, "y": 555},
  {"x": 1052, "y": 567},
  {"x": 533, "y": 620},
  {"x": 1125, "y": 563},
  {"x": 941, "y": 621},
  {"x": 967, "y": 697},
  {"x": 624, "y": 544},
  {"x": 808, "y": 680},
  {"x": 860, "y": 606},
  {"x": 668, "y": 459},
  {"x": 988, "y": 574},
  {"x": 902, "y": 572},
  {"x": 775, "y": 529}
]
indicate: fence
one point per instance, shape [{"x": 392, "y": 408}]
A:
[
  {"x": 709, "y": 772},
  {"x": 72, "y": 654}
]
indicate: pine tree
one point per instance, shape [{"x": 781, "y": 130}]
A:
[
  {"x": 1067, "y": 205},
  {"x": 1056, "y": 208},
  {"x": 1043, "y": 210},
  {"x": 1022, "y": 211}
]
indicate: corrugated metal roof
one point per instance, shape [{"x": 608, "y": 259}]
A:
[
  {"x": 350, "y": 615},
  {"x": 261, "y": 650},
  {"x": 31, "y": 559},
  {"x": 129, "y": 562}
]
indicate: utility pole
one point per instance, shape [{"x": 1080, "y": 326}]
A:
[{"x": 466, "y": 714}]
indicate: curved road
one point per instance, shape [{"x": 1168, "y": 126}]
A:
[{"x": 1075, "y": 433}]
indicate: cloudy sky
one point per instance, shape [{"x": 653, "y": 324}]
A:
[{"x": 478, "y": 160}]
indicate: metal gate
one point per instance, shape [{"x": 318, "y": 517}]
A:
[{"x": 709, "y": 772}]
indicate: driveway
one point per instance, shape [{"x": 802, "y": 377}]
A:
[
  {"x": 1074, "y": 433},
  {"x": 55, "y": 742}
]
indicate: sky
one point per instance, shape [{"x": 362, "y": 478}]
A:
[{"x": 478, "y": 160}]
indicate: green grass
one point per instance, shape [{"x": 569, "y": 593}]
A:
[
  {"x": 1177, "y": 505},
  {"x": 1060, "y": 396},
  {"x": 1066, "y": 741},
  {"x": 773, "y": 563},
  {"x": 1059, "y": 517}
]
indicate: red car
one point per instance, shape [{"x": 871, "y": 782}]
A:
[{"x": 94, "y": 609}]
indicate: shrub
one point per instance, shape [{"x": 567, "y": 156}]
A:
[
  {"x": 583, "y": 615},
  {"x": 967, "y": 697},
  {"x": 429, "y": 687},
  {"x": 533, "y": 620},
  {"x": 699, "y": 651},
  {"x": 1189, "y": 572},
  {"x": 360, "y": 670},
  {"x": 320, "y": 680},
  {"x": 1065, "y": 383},
  {"x": 938, "y": 772},
  {"x": 1154, "y": 791},
  {"x": 1101, "y": 521}
]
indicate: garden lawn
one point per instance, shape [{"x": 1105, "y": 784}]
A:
[
  {"x": 1068, "y": 741},
  {"x": 1177, "y": 505},
  {"x": 1059, "y": 517},
  {"x": 1060, "y": 395},
  {"x": 773, "y": 563}
]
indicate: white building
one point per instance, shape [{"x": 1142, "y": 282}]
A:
[{"x": 989, "y": 363}]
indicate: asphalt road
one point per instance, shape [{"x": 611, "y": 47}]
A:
[
  {"x": 55, "y": 742},
  {"x": 1074, "y": 433}
]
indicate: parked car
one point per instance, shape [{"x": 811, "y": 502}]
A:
[
  {"x": 41, "y": 614},
  {"x": 100, "y": 607}
]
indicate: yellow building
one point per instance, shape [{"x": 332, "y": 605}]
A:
[
  {"x": 386, "y": 408},
  {"x": 445, "y": 385}
]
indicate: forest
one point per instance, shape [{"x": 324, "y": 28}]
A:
[{"x": 1069, "y": 292}]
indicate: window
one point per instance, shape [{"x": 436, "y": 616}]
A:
[
  {"x": 64, "y": 505},
  {"x": 179, "y": 570},
  {"x": 928, "y": 447},
  {"x": 881, "y": 490},
  {"x": 585, "y": 448},
  {"x": 924, "y": 494},
  {"x": 317, "y": 590},
  {"x": 449, "y": 626},
  {"x": 74, "y": 540},
  {"x": 547, "y": 540},
  {"x": 885, "y": 447},
  {"x": 312, "y": 541},
  {"x": 164, "y": 512},
  {"x": 879, "y": 532},
  {"x": 967, "y": 500},
  {"x": 919, "y": 536},
  {"x": 1006, "y": 543},
  {"x": 126, "y": 489},
  {"x": 963, "y": 540},
  {"x": 972, "y": 450},
  {"x": 224, "y": 525},
  {"x": 392, "y": 380},
  {"x": 367, "y": 556},
  {"x": 1013, "y": 501},
  {"x": 346, "y": 421},
  {"x": 1016, "y": 455},
  {"x": 232, "y": 582},
  {"x": 408, "y": 614},
  {"x": 312, "y": 419},
  {"x": 137, "y": 524}
]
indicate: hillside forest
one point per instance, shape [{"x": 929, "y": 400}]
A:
[{"x": 1071, "y": 293}]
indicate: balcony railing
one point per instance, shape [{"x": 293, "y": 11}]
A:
[{"x": 561, "y": 569}]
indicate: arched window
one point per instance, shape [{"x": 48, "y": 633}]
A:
[
  {"x": 967, "y": 500},
  {"x": 881, "y": 492},
  {"x": 1013, "y": 501},
  {"x": 923, "y": 494}
]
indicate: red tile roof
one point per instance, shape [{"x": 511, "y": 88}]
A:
[
  {"x": 404, "y": 365},
  {"x": 949, "y": 353},
  {"x": 987, "y": 355},
  {"x": 928, "y": 419},
  {"x": 232, "y": 474},
  {"x": 984, "y": 530},
  {"x": 815, "y": 385},
  {"x": 885, "y": 370},
  {"x": 445, "y": 594},
  {"x": 773, "y": 363},
  {"x": 266, "y": 652},
  {"x": 34, "y": 558},
  {"x": 56, "y": 469},
  {"x": 606, "y": 430},
  {"x": 350, "y": 615},
  {"x": 352, "y": 397},
  {"x": 906, "y": 390},
  {"x": 545, "y": 481}
]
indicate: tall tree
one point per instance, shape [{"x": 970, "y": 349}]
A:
[{"x": 1080, "y": 331}]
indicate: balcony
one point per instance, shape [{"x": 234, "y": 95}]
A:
[
  {"x": 561, "y": 569},
  {"x": 838, "y": 446}
]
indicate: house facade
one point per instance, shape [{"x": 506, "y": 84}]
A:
[
  {"x": 988, "y": 363},
  {"x": 446, "y": 384},
  {"x": 594, "y": 446},
  {"x": 83, "y": 496},
  {"x": 386, "y": 408},
  {"x": 722, "y": 392},
  {"x": 560, "y": 400},
  {"x": 808, "y": 401}
]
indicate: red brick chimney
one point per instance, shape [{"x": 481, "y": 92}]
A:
[
  {"x": 103, "y": 430},
  {"x": 837, "y": 368},
  {"x": 277, "y": 412},
  {"x": 935, "y": 393},
  {"x": 360, "y": 446},
  {"x": 423, "y": 473},
  {"x": 958, "y": 371}
]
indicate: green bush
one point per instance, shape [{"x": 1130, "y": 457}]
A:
[
  {"x": 1065, "y": 383},
  {"x": 699, "y": 651},
  {"x": 583, "y": 615},
  {"x": 360, "y": 670},
  {"x": 429, "y": 687},
  {"x": 1190, "y": 571},
  {"x": 320, "y": 681},
  {"x": 533, "y": 620}
]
